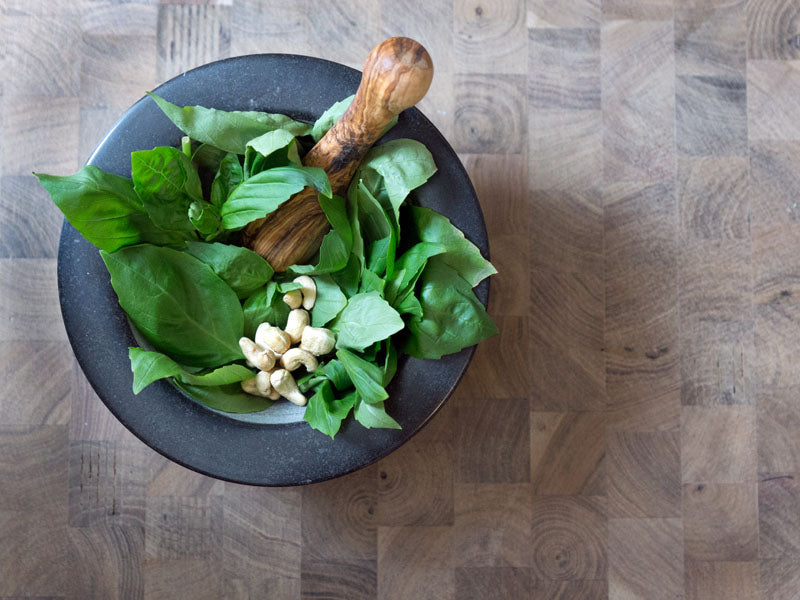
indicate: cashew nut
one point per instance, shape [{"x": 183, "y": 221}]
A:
[
  {"x": 257, "y": 355},
  {"x": 309, "y": 290},
  {"x": 273, "y": 338},
  {"x": 296, "y": 357},
  {"x": 294, "y": 298},
  {"x": 284, "y": 383},
  {"x": 264, "y": 387},
  {"x": 250, "y": 386},
  {"x": 296, "y": 323},
  {"x": 317, "y": 340}
]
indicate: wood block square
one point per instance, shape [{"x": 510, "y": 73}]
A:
[
  {"x": 29, "y": 301},
  {"x": 711, "y": 115},
  {"x": 567, "y": 378},
  {"x": 27, "y": 398},
  {"x": 338, "y": 517},
  {"x": 567, "y": 231},
  {"x": 720, "y": 522},
  {"x": 718, "y": 444},
  {"x": 415, "y": 485},
  {"x": 551, "y": 13},
  {"x": 90, "y": 419},
  {"x": 645, "y": 558},
  {"x": 722, "y": 580},
  {"x": 191, "y": 578},
  {"x": 269, "y": 26},
  {"x": 638, "y": 87},
  {"x": 43, "y": 133},
  {"x": 168, "y": 478},
  {"x": 43, "y": 53},
  {"x": 34, "y": 468},
  {"x": 493, "y": 373},
  {"x": 116, "y": 69},
  {"x": 500, "y": 182},
  {"x": 415, "y": 562},
  {"x": 492, "y": 525},
  {"x": 649, "y": 10},
  {"x": 565, "y": 149},
  {"x": 776, "y": 266},
  {"x": 564, "y": 69},
  {"x": 184, "y": 527},
  {"x": 568, "y": 453},
  {"x": 779, "y": 431},
  {"x": 354, "y": 580},
  {"x": 107, "y": 482},
  {"x": 644, "y": 474},
  {"x": 480, "y": 583},
  {"x": 715, "y": 370},
  {"x": 710, "y": 37},
  {"x": 490, "y": 113},
  {"x": 570, "y": 590},
  {"x": 36, "y": 559},
  {"x": 779, "y": 516},
  {"x": 777, "y": 329},
  {"x": 490, "y": 37},
  {"x": 713, "y": 197},
  {"x": 30, "y": 223},
  {"x": 773, "y": 29},
  {"x": 120, "y": 19},
  {"x": 189, "y": 36},
  {"x": 492, "y": 440},
  {"x": 780, "y": 577},
  {"x": 569, "y": 537},
  {"x": 775, "y": 181},
  {"x": 773, "y": 99},
  {"x": 345, "y": 31},
  {"x": 511, "y": 256},
  {"x": 108, "y": 562},
  {"x": 244, "y": 586}
]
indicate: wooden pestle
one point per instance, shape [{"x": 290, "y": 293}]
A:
[{"x": 396, "y": 75}]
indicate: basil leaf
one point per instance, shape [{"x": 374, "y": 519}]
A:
[
  {"x": 408, "y": 304},
  {"x": 366, "y": 377},
  {"x": 229, "y": 175},
  {"x": 335, "y": 371},
  {"x": 353, "y": 218},
  {"x": 265, "y": 306},
  {"x": 409, "y": 267},
  {"x": 105, "y": 209},
  {"x": 226, "y": 398},
  {"x": 329, "y": 303},
  {"x": 347, "y": 278},
  {"x": 228, "y": 130},
  {"x": 462, "y": 254},
  {"x": 242, "y": 269},
  {"x": 178, "y": 303},
  {"x": 205, "y": 219},
  {"x": 208, "y": 157},
  {"x": 258, "y": 196},
  {"x": 148, "y": 366},
  {"x": 167, "y": 183},
  {"x": 370, "y": 282},
  {"x": 373, "y": 415},
  {"x": 452, "y": 317},
  {"x": 329, "y": 118},
  {"x": 273, "y": 149},
  {"x": 403, "y": 164},
  {"x": 390, "y": 363},
  {"x": 325, "y": 413},
  {"x": 366, "y": 319}
]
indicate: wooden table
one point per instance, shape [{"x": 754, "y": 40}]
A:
[{"x": 634, "y": 430}]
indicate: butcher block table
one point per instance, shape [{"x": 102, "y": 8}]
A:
[{"x": 632, "y": 432}]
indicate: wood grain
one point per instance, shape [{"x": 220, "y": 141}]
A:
[{"x": 633, "y": 430}]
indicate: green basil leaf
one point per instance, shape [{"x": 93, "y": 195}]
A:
[
  {"x": 370, "y": 282},
  {"x": 353, "y": 218},
  {"x": 403, "y": 165},
  {"x": 229, "y": 175},
  {"x": 273, "y": 149},
  {"x": 462, "y": 255},
  {"x": 208, "y": 157},
  {"x": 167, "y": 183},
  {"x": 335, "y": 371},
  {"x": 205, "y": 219},
  {"x": 148, "y": 366},
  {"x": 347, "y": 279},
  {"x": 265, "y": 306},
  {"x": 389, "y": 363},
  {"x": 288, "y": 286},
  {"x": 242, "y": 269},
  {"x": 105, "y": 209},
  {"x": 178, "y": 303},
  {"x": 408, "y": 304},
  {"x": 373, "y": 415},
  {"x": 366, "y": 319},
  {"x": 452, "y": 317},
  {"x": 329, "y": 303},
  {"x": 228, "y": 130},
  {"x": 409, "y": 267},
  {"x": 325, "y": 413},
  {"x": 366, "y": 377},
  {"x": 226, "y": 398},
  {"x": 258, "y": 196}
]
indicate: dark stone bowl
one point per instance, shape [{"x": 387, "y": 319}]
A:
[{"x": 276, "y": 447}]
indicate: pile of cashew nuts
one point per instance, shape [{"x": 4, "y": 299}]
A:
[{"x": 273, "y": 346}]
